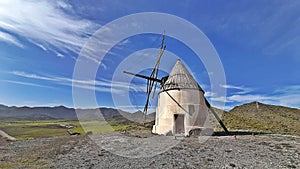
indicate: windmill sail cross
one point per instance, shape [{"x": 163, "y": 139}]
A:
[{"x": 182, "y": 107}]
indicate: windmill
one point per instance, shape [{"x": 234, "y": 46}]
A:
[{"x": 182, "y": 106}]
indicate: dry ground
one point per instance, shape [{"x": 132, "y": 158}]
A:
[{"x": 242, "y": 151}]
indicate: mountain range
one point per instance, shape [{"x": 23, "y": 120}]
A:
[
  {"x": 252, "y": 116},
  {"x": 64, "y": 113}
]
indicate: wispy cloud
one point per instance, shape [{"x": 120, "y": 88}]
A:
[
  {"x": 288, "y": 95},
  {"x": 60, "y": 55},
  {"x": 32, "y": 76},
  {"x": 209, "y": 94},
  {"x": 219, "y": 99},
  {"x": 279, "y": 32},
  {"x": 45, "y": 23},
  {"x": 242, "y": 89},
  {"x": 102, "y": 85},
  {"x": 293, "y": 89},
  {"x": 231, "y": 87},
  {"x": 5, "y": 37},
  {"x": 285, "y": 96},
  {"x": 25, "y": 83},
  {"x": 290, "y": 100},
  {"x": 245, "y": 98}
]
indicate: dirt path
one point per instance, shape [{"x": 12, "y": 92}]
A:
[{"x": 6, "y": 136}]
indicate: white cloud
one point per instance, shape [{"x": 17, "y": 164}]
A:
[
  {"x": 219, "y": 99},
  {"x": 32, "y": 76},
  {"x": 231, "y": 87},
  {"x": 245, "y": 98},
  {"x": 288, "y": 89},
  {"x": 285, "y": 96},
  {"x": 97, "y": 85},
  {"x": 210, "y": 94},
  {"x": 39, "y": 45},
  {"x": 5, "y": 37},
  {"x": 275, "y": 35},
  {"x": 64, "y": 5},
  {"x": 44, "y": 22},
  {"x": 60, "y": 55},
  {"x": 243, "y": 90},
  {"x": 25, "y": 83},
  {"x": 290, "y": 98}
]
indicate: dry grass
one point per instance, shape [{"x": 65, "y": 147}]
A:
[
  {"x": 36, "y": 152},
  {"x": 264, "y": 118}
]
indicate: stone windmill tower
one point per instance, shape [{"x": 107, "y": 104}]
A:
[
  {"x": 182, "y": 106},
  {"x": 181, "y": 103}
]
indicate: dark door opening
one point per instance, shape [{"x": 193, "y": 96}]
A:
[{"x": 179, "y": 123}]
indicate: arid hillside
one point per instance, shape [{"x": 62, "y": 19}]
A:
[{"x": 261, "y": 117}]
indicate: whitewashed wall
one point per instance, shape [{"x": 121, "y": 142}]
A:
[{"x": 191, "y": 104}]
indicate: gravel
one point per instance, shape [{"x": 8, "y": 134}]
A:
[{"x": 244, "y": 151}]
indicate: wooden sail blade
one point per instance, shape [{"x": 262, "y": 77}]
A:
[
  {"x": 216, "y": 116},
  {"x": 152, "y": 80},
  {"x": 142, "y": 76},
  {"x": 156, "y": 67}
]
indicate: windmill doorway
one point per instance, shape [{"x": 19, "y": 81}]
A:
[{"x": 179, "y": 123}]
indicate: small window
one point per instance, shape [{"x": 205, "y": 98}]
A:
[{"x": 191, "y": 109}]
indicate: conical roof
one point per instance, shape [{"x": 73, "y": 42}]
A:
[{"x": 180, "y": 78}]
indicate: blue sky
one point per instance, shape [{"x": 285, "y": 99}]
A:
[{"x": 257, "y": 42}]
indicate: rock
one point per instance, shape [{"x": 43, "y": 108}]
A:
[
  {"x": 210, "y": 159},
  {"x": 232, "y": 165},
  {"x": 6, "y": 136}
]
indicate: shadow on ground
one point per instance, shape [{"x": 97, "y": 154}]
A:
[{"x": 237, "y": 133}]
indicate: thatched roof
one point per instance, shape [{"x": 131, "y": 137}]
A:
[{"x": 180, "y": 78}]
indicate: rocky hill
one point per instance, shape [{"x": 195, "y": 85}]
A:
[{"x": 257, "y": 116}]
